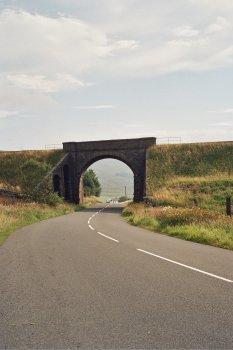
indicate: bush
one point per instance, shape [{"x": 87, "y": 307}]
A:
[
  {"x": 36, "y": 185},
  {"x": 53, "y": 199}
]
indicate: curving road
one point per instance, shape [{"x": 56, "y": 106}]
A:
[{"x": 90, "y": 280}]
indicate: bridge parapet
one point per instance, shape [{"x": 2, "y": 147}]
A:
[{"x": 121, "y": 144}]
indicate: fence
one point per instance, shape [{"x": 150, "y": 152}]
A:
[
  {"x": 53, "y": 146},
  {"x": 168, "y": 140}
]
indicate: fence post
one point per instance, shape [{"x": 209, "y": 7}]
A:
[{"x": 228, "y": 206}]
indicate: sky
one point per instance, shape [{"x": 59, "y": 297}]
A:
[{"x": 80, "y": 70}]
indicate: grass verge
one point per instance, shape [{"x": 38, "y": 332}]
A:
[
  {"x": 15, "y": 213},
  {"x": 192, "y": 224}
]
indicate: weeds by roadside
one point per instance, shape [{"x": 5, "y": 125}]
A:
[
  {"x": 208, "y": 192},
  {"x": 193, "y": 224}
]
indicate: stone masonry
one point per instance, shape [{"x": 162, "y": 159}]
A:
[{"x": 69, "y": 173}]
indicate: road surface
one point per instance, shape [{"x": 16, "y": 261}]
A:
[{"x": 90, "y": 280}]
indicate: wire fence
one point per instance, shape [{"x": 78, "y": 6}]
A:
[
  {"x": 168, "y": 140},
  {"x": 53, "y": 146}
]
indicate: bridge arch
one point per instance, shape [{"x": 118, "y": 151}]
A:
[
  {"x": 96, "y": 159},
  {"x": 81, "y": 155}
]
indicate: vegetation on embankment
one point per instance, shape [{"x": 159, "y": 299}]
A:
[
  {"x": 189, "y": 160},
  {"x": 15, "y": 213},
  {"x": 188, "y": 175},
  {"x": 11, "y": 164},
  {"x": 188, "y": 186},
  {"x": 23, "y": 171}
]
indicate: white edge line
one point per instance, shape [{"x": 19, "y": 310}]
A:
[
  {"x": 187, "y": 266},
  {"x": 113, "y": 239},
  {"x": 91, "y": 228}
]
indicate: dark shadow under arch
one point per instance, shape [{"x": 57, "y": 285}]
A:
[
  {"x": 57, "y": 184},
  {"x": 66, "y": 173}
]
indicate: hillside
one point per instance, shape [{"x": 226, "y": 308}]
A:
[{"x": 114, "y": 176}]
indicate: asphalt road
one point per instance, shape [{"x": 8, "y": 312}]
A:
[{"x": 84, "y": 281}]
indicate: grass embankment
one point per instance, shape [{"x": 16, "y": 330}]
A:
[
  {"x": 15, "y": 213},
  {"x": 11, "y": 163},
  {"x": 189, "y": 184}
]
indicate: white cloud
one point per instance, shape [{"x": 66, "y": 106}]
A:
[
  {"x": 186, "y": 31},
  {"x": 221, "y": 25},
  {"x": 95, "y": 107},
  {"x": 24, "y": 101},
  {"x": 227, "y": 110},
  {"x": 45, "y": 45},
  {"x": 50, "y": 54},
  {"x": 223, "y": 111},
  {"x": 7, "y": 113},
  {"x": 126, "y": 44},
  {"x": 42, "y": 83},
  {"x": 224, "y": 124}
]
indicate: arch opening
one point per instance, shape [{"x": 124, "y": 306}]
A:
[
  {"x": 57, "y": 185},
  {"x": 115, "y": 176}
]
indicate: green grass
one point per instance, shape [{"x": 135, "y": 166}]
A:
[{"x": 188, "y": 160}]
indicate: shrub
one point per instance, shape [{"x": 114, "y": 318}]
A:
[{"x": 53, "y": 199}]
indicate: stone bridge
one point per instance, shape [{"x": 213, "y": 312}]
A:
[{"x": 68, "y": 175}]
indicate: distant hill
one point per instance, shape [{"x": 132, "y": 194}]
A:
[{"x": 114, "y": 176}]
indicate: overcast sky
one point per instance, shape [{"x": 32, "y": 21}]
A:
[{"x": 76, "y": 70}]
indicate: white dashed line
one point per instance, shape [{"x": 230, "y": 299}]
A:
[
  {"x": 92, "y": 228},
  {"x": 187, "y": 266},
  {"x": 113, "y": 239}
]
